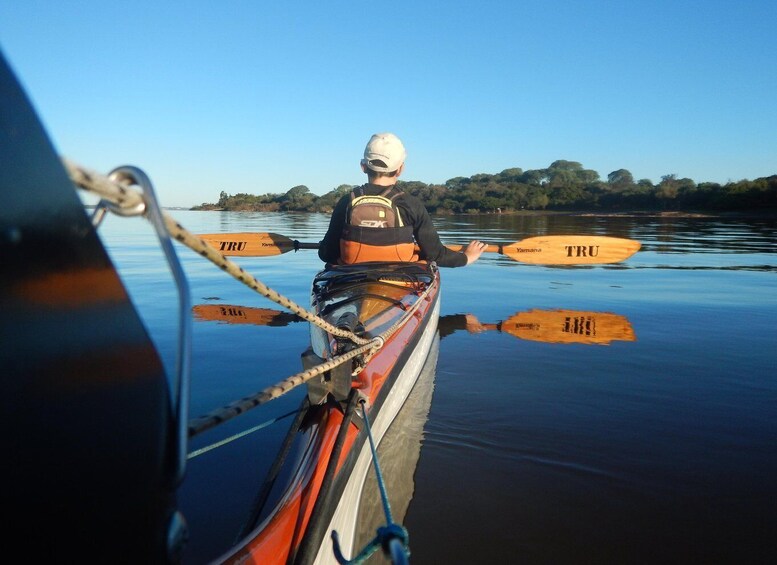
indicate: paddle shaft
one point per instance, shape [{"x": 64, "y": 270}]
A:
[
  {"x": 489, "y": 248},
  {"x": 452, "y": 247}
]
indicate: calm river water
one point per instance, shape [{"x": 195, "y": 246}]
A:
[{"x": 659, "y": 447}]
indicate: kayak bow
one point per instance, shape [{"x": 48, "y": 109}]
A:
[{"x": 330, "y": 453}]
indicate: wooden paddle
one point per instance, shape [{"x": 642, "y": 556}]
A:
[
  {"x": 540, "y": 250},
  {"x": 549, "y": 326}
]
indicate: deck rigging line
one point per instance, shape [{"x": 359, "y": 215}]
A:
[
  {"x": 392, "y": 537},
  {"x": 230, "y": 439}
]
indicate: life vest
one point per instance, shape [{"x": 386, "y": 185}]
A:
[{"x": 374, "y": 230}]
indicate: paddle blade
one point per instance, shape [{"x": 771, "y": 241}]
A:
[
  {"x": 249, "y": 244},
  {"x": 571, "y": 249},
  {"x": 230, "y": 314},
  {"x": 569, "y": 326}
]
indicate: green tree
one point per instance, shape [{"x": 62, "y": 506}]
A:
[
  {"x": 297, "y": 192},
  {"x": 490, "y": 204},
  {"x": 588, "y": 176},
  {"x": 451, "y": 205},
  {"x": 562, "y": 165},
  {"x": 667, "y": 190},
  {"x": 517, "y": 196},
  {"x": 327, "y": 202},
  {"x": 537, "y": 199},
  {"x": 645, "y": 185},
  {"x": 457, "y": 182},
  {"x": 298, "y": 198},
  {"x": 561, "y": 178},
  {"x": 620, "y": 179},
  {"x": 535, "y": 176},
  {"x": 482, "y": 178},
  {"x": 510, "y": 175}
]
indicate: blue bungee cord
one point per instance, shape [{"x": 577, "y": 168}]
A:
[{"x": 393, "y": 538}]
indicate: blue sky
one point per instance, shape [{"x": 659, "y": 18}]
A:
[{"x": 259, "y": 97}]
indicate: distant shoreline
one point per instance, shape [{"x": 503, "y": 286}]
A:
[{"x": 770, "y": 213}]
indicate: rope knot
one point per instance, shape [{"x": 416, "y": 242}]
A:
[{"x": 389, "y": 533}]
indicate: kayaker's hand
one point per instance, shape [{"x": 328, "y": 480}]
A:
[{"x": 474, "y": 250}]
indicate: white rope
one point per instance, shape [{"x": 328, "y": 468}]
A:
[
  {"x": 128, "y": 199},
  {"x": 132, "y": 201}
]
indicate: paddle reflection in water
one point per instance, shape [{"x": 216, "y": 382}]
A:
[
  {"x": 232, "y": 314},
  {"x": 549, "y": 326}
]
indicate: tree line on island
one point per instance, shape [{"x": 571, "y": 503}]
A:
[{"x": 563, "y": 186}]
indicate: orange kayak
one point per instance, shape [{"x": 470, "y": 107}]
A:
[{"x": 327, "y": 456}]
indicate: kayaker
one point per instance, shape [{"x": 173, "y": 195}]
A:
[{"x": 378, "y": 222}]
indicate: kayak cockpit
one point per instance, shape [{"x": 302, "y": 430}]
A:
[{"x": 365, "y": 298}]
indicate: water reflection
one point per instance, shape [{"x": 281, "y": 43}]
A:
[
  {"x": 618, "y": 454},
  {"x": 398, "y": 456},
  {"x": 549, "y": 326},
  {"x": 662, "y": 234},
  {"x": 233, "y": 314}
]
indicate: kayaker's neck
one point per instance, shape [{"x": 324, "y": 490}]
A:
[{"x": 383, "y": 181}]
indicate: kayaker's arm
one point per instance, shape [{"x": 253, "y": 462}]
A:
[
  {"x": 329, "y": 248},
  {"x": 426, "y": 235},
  {"x": 451, "y": 323}
]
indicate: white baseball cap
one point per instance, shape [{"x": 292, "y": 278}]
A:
[{"x": 384, "y": 153}]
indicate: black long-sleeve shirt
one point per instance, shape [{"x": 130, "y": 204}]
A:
[{"x": 412, "y": 211}]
